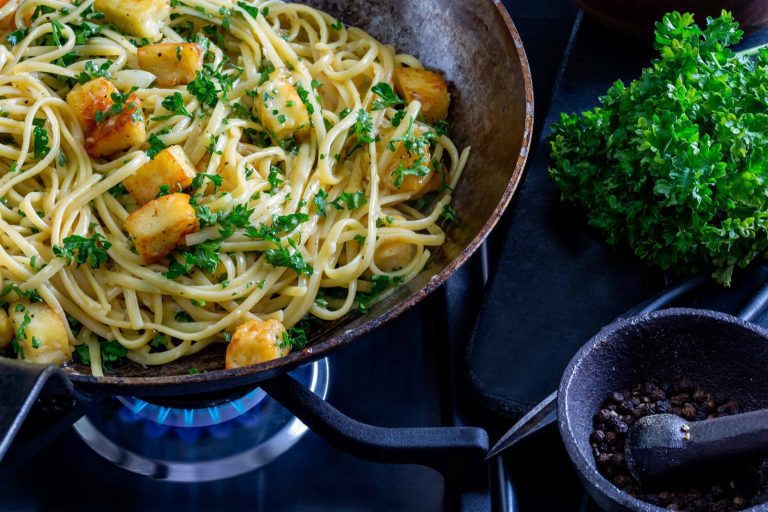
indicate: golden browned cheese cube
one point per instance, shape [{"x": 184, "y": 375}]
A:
[
  {"x": 113, "y": 133},
  {"x": 160, "y": 226},
  {"x": 43, "y": 333},
  {"x": 140, "y": 18},
  {"x": 281, "y": 111},
  {"x": 393, "y": 255},
  {"x": 427, "y": 87},
  {"x": 417, "y": 186},
  {"x": 256, "y": 342},
  {"x": 172, "y": 63},
  {"x": 171, "y": 168},
  {"x": 6, "y": 329}
]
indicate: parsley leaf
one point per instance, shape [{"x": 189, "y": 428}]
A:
[
  {"x": 381, "y": 284},
  {"x": 119, "y": 105},
  {"x": 274, "y": 179},
  {"x": 321, "y": 201},
  {"x": 198, "y": 181},
  {"x": 17, "y": 36},
  {"x": 353, "y": 201},
  {"x": 175, "y": 105},
  {"x": 387, "y": 96},
  {"x": 40, "y": 139},
  {"x": 56, "y": 28},
  {"x": 84, "y": 250},
  {"x": 93, "y": 71},
  {"x": 204, "y": 256},
  {"x": 204, "y": 89},
  {"x": 156, "y": 146},
  {"x": 362, "y": 130},
  {"x": 281, "y": 224},
  {"x": 284, "y": 257}
]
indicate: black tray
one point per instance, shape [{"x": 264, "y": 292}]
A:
[{"x": 557, "y": 282}]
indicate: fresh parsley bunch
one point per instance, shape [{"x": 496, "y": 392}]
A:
[{"x": 676, "y": 164}]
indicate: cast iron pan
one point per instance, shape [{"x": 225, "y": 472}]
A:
[{"x": 476, "y": 45}]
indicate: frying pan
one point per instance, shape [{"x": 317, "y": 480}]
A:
[{"x": 475, "y": 44}]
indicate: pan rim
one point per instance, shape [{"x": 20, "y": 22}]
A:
[{"x": 264, "y": 371}]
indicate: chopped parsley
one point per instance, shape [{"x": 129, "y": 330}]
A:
[
  {"x": 175, "y": 105},
  {"x": 156, "y": 146},
  {"x": 30, "y": 295},
  {"x": 321, "y": 201},
  {"x": 215, "y": 179},
  {"x": 304, "y": 96},
  {"x": 204, "y": 256},
  {"x": 118, "y": 106},
  {"x": 17, "y": 36},
  {"x": 56, "y": 28},
  {"x": 381, "y": 284},
  {"x": 238, "y": 218},
  {"x": 294, "y": 338},
  {"x": 352, "y": 201},
  {"x": 281, "y": 225},
  {"x": 387, "y": 97},
  {"x": 84, "y": 250},
  {"x": 448, "y": 214},
  {"x": 274, "y": 179},
  {"x": 284, "y": 257},
  {"x": 118, "y": 190},
  {"x": 41, "y": 139},
  {"x": 362, "y": 130},
  {"x": 183, "y": 316},
  {"x": 112, "y": 354}
]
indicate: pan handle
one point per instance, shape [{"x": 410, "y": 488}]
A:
[
  {"x": 21, "y": 384},
  {"x": 445, "y": 449}
]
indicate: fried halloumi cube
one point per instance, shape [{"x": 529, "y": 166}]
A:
[
  {"x": 160, "y": 226},
  {"x": 395, "y": 180},
  {"x": 428, "y": 87},
  {"x": 393, "y": 255},
  {"x": 281, "y": 110},
  {"x": 172, "y": 63},
  {"x": 6, "y": 329},
  {"x": 141, "y": 18},
  {"x": 40, "y": 333},
  {"x": 171, "y": 168},
  {"x": 256, "y": 342},
  {"x": 8, "y": 22},
  {"x": 105, "y": 133}
]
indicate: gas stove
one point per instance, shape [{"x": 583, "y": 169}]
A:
[{"x": 248, "y": 450}]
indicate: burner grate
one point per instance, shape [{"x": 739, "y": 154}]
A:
[{"x": 198, "y": 444}]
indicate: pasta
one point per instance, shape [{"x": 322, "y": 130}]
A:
[{"x": 172, "y": 170}]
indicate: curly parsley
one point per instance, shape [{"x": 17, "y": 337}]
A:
[{"x": 673, "y": 164}]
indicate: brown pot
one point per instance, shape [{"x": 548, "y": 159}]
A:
[{"x": 638, "y": 17}]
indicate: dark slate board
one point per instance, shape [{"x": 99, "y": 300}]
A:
[{"x": 557, "y": 283}]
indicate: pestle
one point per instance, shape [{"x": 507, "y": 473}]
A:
[{"x": 665, "y": 446}]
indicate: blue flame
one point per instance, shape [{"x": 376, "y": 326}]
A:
[{"x": 159, "y": 419}]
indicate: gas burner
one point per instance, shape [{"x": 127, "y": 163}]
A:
[{"x": 198, "y": 443}]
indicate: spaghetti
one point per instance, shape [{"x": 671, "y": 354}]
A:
[{"x": 319, "y": 175}]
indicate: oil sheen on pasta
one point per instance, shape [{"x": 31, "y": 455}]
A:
[{"x": 179, "y": 173}]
